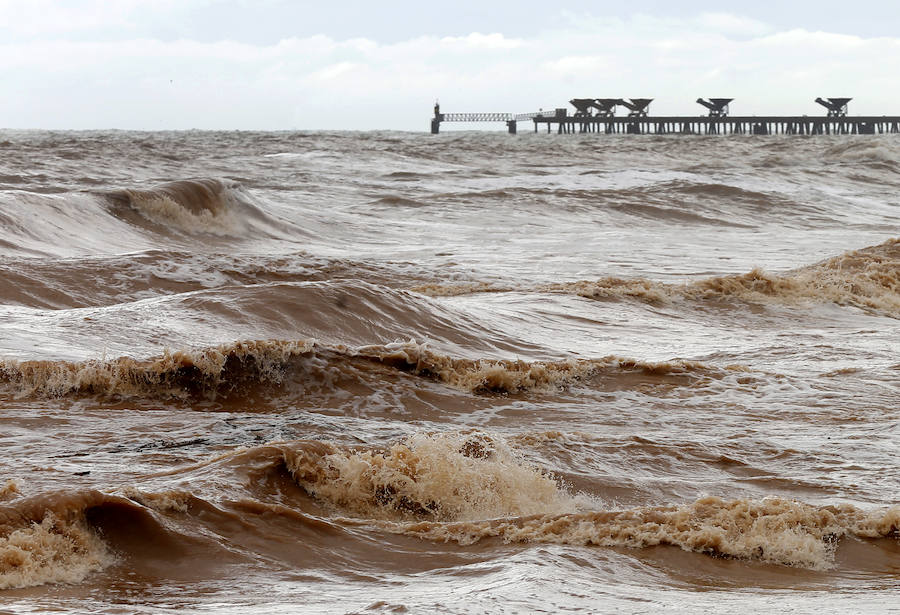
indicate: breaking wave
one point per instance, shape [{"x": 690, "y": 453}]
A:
[
  {"x": 868, "y": 279},
  {"x": 450, "y": 476},
  {"x": 458, "y": 486},
  {"x": 48, "y": 540},
  {"x": 232, "y": 368},
  {"x": 193, "y": 206},
  {"x": 466, "y": 487},
  {"x": 772, "y": 530},
  {"x": 120, "y": 221}
]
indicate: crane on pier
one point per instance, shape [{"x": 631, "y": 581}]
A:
[
  {"x": 582, "y": 106},
  {"x": 606, "y": 107},
  {"x": 637, "y": 106},
  {"x": 718, "y": 107},
  {"x": 837, "y": 107}
]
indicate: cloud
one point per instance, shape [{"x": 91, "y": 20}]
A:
[
  {"x": 40, "y": 18},
  {"x": 476, "y": 40},
  {"x": 727, "y": 23},
  {"x": 334, "y": 71},
  {"x": 577, "y": 64}
]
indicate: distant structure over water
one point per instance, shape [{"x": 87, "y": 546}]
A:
[{"x": 598, "y": 115}]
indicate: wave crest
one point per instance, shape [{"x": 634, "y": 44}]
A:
[
  {"x": 175, "y": 374},
  {"x": 465, "y": 487},
  {"x": 51, "y": 551},
  {"x": 234, "y": 368},
  {"x": 772, "y": 530},
  {"x": 193, "y": 206},
  {"x": 449, "y": 476},
  {"x": 48, "y": 540},
  {"x": 868, "y": 279}
]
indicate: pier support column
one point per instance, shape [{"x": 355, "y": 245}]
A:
[
  {"x": 511, "y": 124},
  {"x": 435, "y": 126}
]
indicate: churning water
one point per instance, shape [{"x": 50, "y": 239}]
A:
[{"x": 465, "y": 373}]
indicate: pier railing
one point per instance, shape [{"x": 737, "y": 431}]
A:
[
  {"x": 477, "y": 117},
  {"x": 521, "y": 117}
]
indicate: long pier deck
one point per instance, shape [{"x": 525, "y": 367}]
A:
[
  {"x": 702, "y": 125},
  {"x": 718, "y": 122}
]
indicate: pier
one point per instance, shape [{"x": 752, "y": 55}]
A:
[{"x": 598, "y": 115}]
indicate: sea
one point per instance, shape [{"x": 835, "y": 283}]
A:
[{"x": 467, "y": 373}]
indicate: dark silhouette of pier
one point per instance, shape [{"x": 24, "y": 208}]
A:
[{"x": 598, "y": 115}]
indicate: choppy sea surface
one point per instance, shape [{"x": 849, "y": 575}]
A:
[{"x": 386, "y": 372}]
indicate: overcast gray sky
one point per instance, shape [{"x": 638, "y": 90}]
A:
[{"x": 275, "y": 64}]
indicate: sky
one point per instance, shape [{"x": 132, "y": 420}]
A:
[{"x": 298, "y": 65}]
